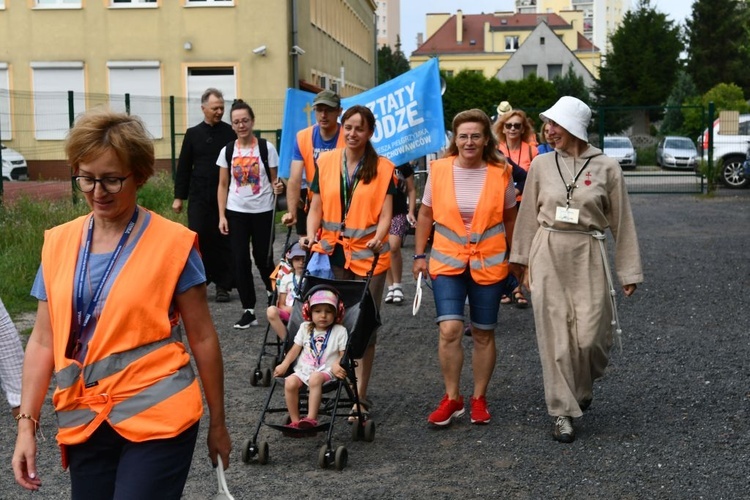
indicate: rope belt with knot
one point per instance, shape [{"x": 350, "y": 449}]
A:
[{"x": 601, "y": 237}]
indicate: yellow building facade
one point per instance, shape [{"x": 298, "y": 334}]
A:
[
  {"x": 485, "y": 42},
  {"x": 152, "y": 50}
]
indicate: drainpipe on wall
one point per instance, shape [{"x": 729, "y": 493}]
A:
[{"x": 295, "y": 55}]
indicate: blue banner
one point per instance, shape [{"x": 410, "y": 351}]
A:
[{"x": 408, "y": 110}]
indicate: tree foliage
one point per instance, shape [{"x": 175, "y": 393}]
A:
[
  {"x": 391, "y": 63},
  {"x": 718, "y": 43},
  {"x": 471, "y": 89},
  {"x": 573, "y": 85},
  {"x": 725, "y": 96},
  {"x": 645, "y": 54},
  {"x": 683, "y": 91}
]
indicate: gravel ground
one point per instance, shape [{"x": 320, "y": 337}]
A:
[{"x": 669, "y": 420}]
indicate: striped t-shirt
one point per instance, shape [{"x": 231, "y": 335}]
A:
[{"x": 468, "y": 184}]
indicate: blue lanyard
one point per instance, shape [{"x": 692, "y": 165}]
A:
[
  {"x": 319, "y": 354},
  {"x": 83, "y": 321}
]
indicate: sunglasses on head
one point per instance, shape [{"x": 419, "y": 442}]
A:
[{"x": 516, "y": 126}]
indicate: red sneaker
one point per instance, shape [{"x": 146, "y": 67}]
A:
[
  {"x": 447, "y": 411},
  {"x": 479, "y": 413}
]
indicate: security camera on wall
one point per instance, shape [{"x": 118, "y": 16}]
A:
[
  {"x": 297, "y": 50},
  {"x": 261, "y": 51}
]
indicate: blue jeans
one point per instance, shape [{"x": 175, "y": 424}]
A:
[
  {"x": 108, "y": 466},
  {"x": 450, "y": 294}
]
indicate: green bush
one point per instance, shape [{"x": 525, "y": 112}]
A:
[{"x": 646, "y": 155}]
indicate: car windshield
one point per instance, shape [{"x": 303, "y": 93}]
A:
[
  {"x": 617, "y": 142},
  {"x": 680, "y": 143}
]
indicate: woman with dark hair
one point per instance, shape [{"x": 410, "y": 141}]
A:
[
  {"x": 352, "y": 206},
  {"x": 470, "y": 198},
  {"x": 246, "y": 198}
]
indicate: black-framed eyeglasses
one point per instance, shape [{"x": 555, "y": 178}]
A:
[
  {"x": 111, "y": 185},
  {"x": 516, "y": 126}
]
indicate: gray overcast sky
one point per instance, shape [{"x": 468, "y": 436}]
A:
[{"x": 413, "y": 13}]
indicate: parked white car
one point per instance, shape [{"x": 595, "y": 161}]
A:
[
  {"x": 14, "y": 165},
  {"x": 622, "y": 150},
  {"x": 730, "y": 150},
  {"x": 676, "y": 152}
]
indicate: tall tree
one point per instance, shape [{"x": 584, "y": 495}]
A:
[
  {"x": 683, "y": 91},
  {"x": 645, "y": 54},
  {"x": 391, "y": 63},
  {"x": 718, "y": 43}
]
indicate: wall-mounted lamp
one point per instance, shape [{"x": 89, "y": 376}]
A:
[
  {"x": 260, "y": 51},
  {"x": 187, "y": 46},
  {"x": 296, "y": 51}
]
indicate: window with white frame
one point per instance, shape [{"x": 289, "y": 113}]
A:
[
  {"x": 201, "y": 78},
  {"x": 2, "y": 4},
  {"x": 52, "y": 82},
  {"x": 137, "y": 84},
  {"x": 58, "y": 4},
  {"x": 511, "y": 43},
  {"x": 208, "y": 2},
  {"x": 132, "y": 3},
  {"x": 5, "y": 132}
]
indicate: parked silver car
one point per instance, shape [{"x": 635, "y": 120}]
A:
[
  {"x": 676, "y": 152},
  {"x": 622, "y": 150}
]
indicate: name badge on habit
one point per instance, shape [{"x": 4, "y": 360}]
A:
[{"x": 567, "y": 214}]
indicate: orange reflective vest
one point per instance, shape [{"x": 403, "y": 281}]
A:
[
  {"x": 363, "y": 216},
  {"x": 484, "y": 249},
  {"x": 305, "y": 144},
  {"x": 136, "y": 374}
]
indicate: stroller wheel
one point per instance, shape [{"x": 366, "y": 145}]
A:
[
  {"x": 356, "y": 431},
  {"x": 248, "y": 451},
  {"x": 255, "y": 377},
  {"x": 369, "y": 433},
  {"x": 323, "y": 456},
  {"x": 266, "y": 378},
  {"x": 341, "y": 458},
  {"x": 263, "y": 453}
]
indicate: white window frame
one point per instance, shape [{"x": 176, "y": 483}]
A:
[
  {"x": 2, "y": 4},
  {"x": 146, "y": 102},
  {"x": 58, "y": 4},
  {"x": 197, "y": 84},
  {"x": 511, "y": 43},
  {"x": 209, "y": 3},
  {"x": 6, "y": 133},
  {"x": 51, "y": 99},
  {"x": 134, "y": 4}
]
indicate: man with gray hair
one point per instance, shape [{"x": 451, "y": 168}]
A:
[{"x": 197, "y": 181}]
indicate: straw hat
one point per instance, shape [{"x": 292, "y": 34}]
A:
[
  {"x": 503, "y": 108},
  {"x": 571, "y": 114}
]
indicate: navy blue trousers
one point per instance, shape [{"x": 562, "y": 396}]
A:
[{"x": 108, "y": 466}]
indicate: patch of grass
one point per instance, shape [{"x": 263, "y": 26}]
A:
[
  {"x": 646, "y": 155},
  {"x": 22, "y": 226}
]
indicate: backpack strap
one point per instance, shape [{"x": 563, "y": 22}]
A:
[{"x": 228, "y": 154}]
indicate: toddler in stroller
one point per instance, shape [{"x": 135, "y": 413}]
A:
[
  {"x": 318, "y": 347},
  {"x": 287, "y": 288}
]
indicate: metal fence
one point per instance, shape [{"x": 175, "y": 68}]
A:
[{"x": 35, "y": 124}]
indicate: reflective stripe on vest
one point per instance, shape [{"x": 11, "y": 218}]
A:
[
  {"x": 109, "y": 365},
  {"x": 151, "y": 396}
]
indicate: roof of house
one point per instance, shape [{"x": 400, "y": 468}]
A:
[{"x": 443, "y": 41}]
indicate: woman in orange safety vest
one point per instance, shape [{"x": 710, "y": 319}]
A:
[
  {"x": 113, "y": 286},
  {"x": 469, "y": 196},
  {"x": 352, "y": 206}
]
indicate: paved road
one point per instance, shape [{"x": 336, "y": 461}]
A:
[{"x": 671, "y": 418}]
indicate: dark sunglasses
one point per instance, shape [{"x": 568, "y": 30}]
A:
[{"x": 516, "y": 126}]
